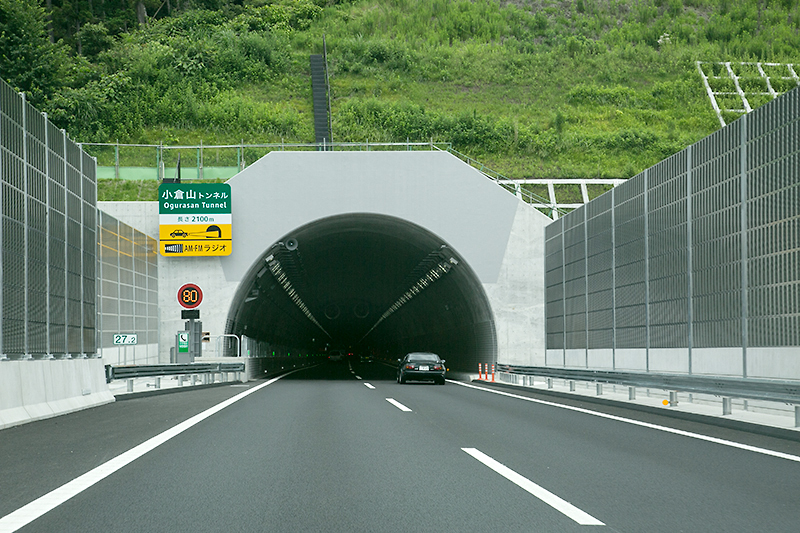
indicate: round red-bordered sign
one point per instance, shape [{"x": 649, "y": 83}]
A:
[{"x": 190, "y": 296}]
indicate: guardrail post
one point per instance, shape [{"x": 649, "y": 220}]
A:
[
  {"x": 599, "y": 389},
  {"x": 631, "y": 393},
  {"x": 572, "y": 386},
  {"x": 130, "y": 385},
  {"x": 549, "y": 383},
  {"x": 797, "y": 416},
  {"x": 673, "y": 398},
  {"x": 158, "y": 383},
  {"x": 726, "y": 406}
]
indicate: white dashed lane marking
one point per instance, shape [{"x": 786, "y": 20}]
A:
[
  {"x": 543, "y": 494},
  {"x": 398, "y": 405}
]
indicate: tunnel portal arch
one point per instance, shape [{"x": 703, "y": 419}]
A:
[
  {"x": 347, "y": 212},
  {"x": 370, "y": 283}
]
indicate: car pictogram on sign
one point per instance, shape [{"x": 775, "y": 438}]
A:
[{"x": 211, "y": 232}]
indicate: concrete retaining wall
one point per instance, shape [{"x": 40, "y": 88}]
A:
[{"x": 34, "y": 390}]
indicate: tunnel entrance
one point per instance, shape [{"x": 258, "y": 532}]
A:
[{"x": 372, "y": 284}]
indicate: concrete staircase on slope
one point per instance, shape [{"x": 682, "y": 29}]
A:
[{"x": 319, "y": 88}]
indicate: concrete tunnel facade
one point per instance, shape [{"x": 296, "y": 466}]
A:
[{"x": 385, "y": 252}]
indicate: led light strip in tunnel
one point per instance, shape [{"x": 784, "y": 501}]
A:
[
  {"x": 281, "y": 277},
  {"x": 439, "y": 270}
]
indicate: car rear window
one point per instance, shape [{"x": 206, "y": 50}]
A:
[{"x": 423, "y": 357}]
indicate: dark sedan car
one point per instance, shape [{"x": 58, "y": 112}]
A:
[{"x": 421, "y": 366}]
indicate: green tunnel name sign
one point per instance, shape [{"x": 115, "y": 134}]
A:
[{"x": 194, "y": 219}]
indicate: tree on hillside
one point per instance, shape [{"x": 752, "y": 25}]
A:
[
  {"x": 118, "y": 16},
  {"x": 28, "y": 60}
]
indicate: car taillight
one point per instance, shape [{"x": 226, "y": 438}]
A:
[
  {"x": 437, "y": 367},
  {"x": 409, "y": 367}
]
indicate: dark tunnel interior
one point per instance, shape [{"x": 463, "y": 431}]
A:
[{"x": 370, "y": 284}]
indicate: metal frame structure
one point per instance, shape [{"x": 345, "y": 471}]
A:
[{"x": 731, "y": 74}]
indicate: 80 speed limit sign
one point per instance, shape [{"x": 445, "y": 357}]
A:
[{"x": 190, "y": 296}]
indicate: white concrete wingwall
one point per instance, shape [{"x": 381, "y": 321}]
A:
[
  {"x": 36, "y": 389},
  {"x": 517, "y": 298}
]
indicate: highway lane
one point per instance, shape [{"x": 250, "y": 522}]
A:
[
  {"x": 38, "y": 457},
  {"x": 321, "y": 451}
]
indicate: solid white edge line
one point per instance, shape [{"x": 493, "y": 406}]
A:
[
  {"x": 33, "y": 510},
  {"x": 368, "y": 385},
  {"x": 559, "y": 504},
  {"x": 398, "y": 405},
  {"x": 666, "y": 429}
]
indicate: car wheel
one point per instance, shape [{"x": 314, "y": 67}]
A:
[
  {"x": 441, "y": 381},
  {"x": 401, "y": 379}
]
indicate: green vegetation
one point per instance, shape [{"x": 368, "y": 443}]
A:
[
  {"x": 531, "y": 88},
  {"x": 122, "y": 190}
]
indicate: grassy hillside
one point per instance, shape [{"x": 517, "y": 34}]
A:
[{"x": 532, "y": 88}]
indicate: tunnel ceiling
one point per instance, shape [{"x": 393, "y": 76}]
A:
[{"x": 369, "y": 283}]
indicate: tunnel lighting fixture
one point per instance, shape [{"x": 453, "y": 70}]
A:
[
  {"x": 435, "y": 273},
  {"x": 252, "y": 296},
  {"x": 282, "y": 279}
]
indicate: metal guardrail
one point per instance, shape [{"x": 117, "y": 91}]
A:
[
  {"x": 752, "y": 389},
  {"x": 142, "y": 371},
  {"x": 238, "y": 157}
]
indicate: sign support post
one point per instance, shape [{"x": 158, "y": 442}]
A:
[{"x": 190, "y": 296}]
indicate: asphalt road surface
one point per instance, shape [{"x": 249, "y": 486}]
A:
[{"x": 343, "y": 447}]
